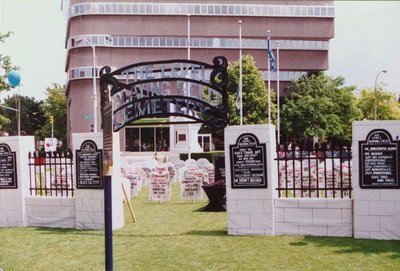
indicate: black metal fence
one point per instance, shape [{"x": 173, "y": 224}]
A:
[
  {"x": 51, "y": 174},
  {"x": 314, "y": 173}
]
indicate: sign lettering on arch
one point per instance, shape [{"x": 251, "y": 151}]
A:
[{"x": 161, "y": 89}]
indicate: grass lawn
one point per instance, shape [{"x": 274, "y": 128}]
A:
[{"x": 176, "y": 236}]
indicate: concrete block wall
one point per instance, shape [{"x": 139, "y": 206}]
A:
[
  {"x": 318, "y": 217},
  {"x": 376, "y": 211},
  {"x": 84, "y": 211},
  {"x": 12, "y": 212},
  {"x": 251, "y": 211},
  {"x": 89, "y": 209},
  {"x": 90, "y": 202},
  {"x": 53, "y": 212},
  {"x": 12, "y": 201}
]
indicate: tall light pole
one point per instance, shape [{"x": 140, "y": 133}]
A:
[
  {"x": 375, "y": 97},
  {"x": 94, "y": 93}
]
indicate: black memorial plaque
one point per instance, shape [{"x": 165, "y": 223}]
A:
[
  {"x": 248, "y": 165},
  {"x": 379, "y": 161},
  {"x": 89, "y": 162},
  {"x": 8, "y": 168}
]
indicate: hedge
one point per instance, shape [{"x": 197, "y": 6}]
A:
[{"x": 210, "y": 156}]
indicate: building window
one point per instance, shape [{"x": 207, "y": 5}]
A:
[
  {"x": 171, "y": 42},
  {"x": 197, "y": 9},
  {"x": 128, "y": 8},
  {"x": 147, "y": 139},
  {"x": 202, "y": 10},
  {"x": 205, "y": 142},
  {"x": 181, "y": 138},
  {"x": 162, "y": 139}
]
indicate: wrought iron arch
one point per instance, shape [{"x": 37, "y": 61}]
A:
[{"x": 164, "y": 89}]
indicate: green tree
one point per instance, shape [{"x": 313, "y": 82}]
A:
[
  {"x": 319, "y": 106},
  {"x": 255, "y": 94},
  {"x": 388, "y": 108},
  {"x": 32, "y": 115},
  {"x": 55, "y": 105},
  {"x": 5, "y": 66}
]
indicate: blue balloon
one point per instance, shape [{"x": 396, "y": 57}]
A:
[{"x": 14, "y": 77}]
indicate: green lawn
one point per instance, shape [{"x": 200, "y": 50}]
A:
[{"x": 176, "y": 236}]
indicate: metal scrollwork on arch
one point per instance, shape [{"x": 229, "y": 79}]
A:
[{"x": 167, "y": 89}]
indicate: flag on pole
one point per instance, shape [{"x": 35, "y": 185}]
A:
[
  {"x": 238, "y": 97},
  {"x": 271, "y": 56}
]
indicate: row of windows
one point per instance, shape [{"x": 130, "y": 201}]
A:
[
  {"x": 147, "y": 139},
  {"x": 175, "y": 42},
  {"x": 202, "y": 9},
  {"x": 82, "y": 73},
  {"x": 87, "y": 72}
]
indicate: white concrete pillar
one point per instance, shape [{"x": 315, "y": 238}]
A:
[
  {"x": 90, "y": 202},
  {"x": 250, "y": 203},
  {"x": 12, "y": 200},
  {"x": 376, "y": 196},
  {"x": 184, "y": 138}
]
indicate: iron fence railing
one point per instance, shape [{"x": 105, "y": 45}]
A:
[
  {"x": 314, "y": 173},
  {"x": 51, "y": 174}
]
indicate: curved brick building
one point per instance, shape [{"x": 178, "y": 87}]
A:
[{"x": 123, "y": 32}]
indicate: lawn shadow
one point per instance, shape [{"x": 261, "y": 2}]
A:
[
  {"x": 189, "y": 233},
  {"x": 169, "y": 203},
  {"x": 350, "y": 245},
  {"x": 207, "y": 208},
  {"x": 62, "y": 231},
  {"x": 298, "y": 244},
  {"x": 208, "y": 233}
]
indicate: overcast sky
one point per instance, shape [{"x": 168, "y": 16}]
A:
[{"x": 367, "y": 40}]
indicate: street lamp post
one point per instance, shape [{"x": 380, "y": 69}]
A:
[
  {"x": 375, "y": 96},
  {"x": 94, "y": 93}
]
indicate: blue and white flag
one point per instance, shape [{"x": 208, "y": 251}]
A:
[
  {"x": 271, "y": 56},
  {"x": 238, "y": 101}
]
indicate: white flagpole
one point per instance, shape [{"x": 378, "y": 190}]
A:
[
  {"x": 188, "y": 36},
  {"x": 240, "y": 73},
  {"x": 188, "y": 86},
  {"x": 277, "y": 91},
  {"x": 269, "y": 82}
]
